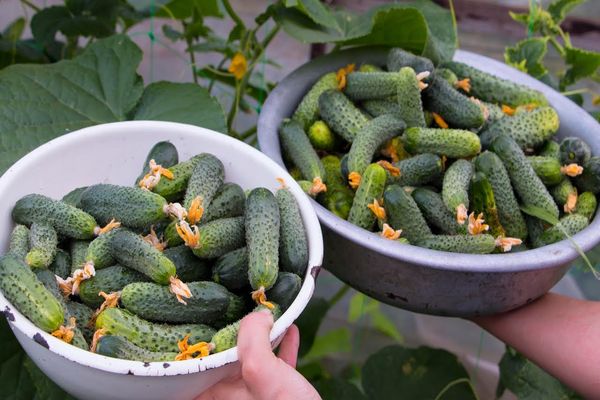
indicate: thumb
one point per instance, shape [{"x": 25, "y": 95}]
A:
[{"x": 253, "y": 338}]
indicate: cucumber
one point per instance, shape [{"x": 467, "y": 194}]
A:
[
  {"x": 285, "y": 289},
  {"x": 321, "y": 137},
  {"x": 206, "y": 179},
  {"x": 435, "y": 211},
  {"x": 535, "y": 228},
  {"x": 174, "y": 189},
  {"x": 148, "y": 335},
  {"x": 170, "y": 235},
  {"x": 61, "y": 266},
  {"x": 229, "y": 201},
  {"x": 453, "y": 143},
  {"x": 73, "y": 198},
  {"x": 219, "y": 237},
  {"x": 338, "y": 197},
  {"x": 235, "y": 311},
  {"x": 369, "y": 68},
  {"x": 550, "y": 148},
  {"x": 418, "y": 170},
  {"x": 509, "y": 212},
  {"x": 65, "y": 219},
  {"x": 471, "y": 244},
  {"x": 377, "y": 107},
  {"x": 344, "y": 167},
  {"x": 163, "y": 153},
  {"x": 589, "y": 180},
  {"x": 78, "y": 251},
  {"x": 586, "y": 205},
  {"x": 189, "y": 267},
  {"x": 231, "y": 270},
  {"x": 99, "y": 253},
  {"x": 371, "y": 85},
  {"x": 83, "y": 315},
  {"x": 529, "y": 129},
  {"x": 410, "y": 106},
  {"x": 403, "y": 213},
  {"x": 455, "y": 188},
  {"x": 262, "y": 238},
  {"x": 572, "y": 224},
  {"x": 374, "y": 134},
  {"x": 398, "y": 58},
  {"x": 19, "y": 241},
  {"x": 561, "y": 192},
  {"x": 293, "y": 243},
  {"x": 119, "y": 347},
  {"x": 340, "y": 114},
  {"x": 494, "y": 113},
  {"x": 482, "y": 201},
  {"x": 447, "y": 75},
  {"x": 43, "y": 241},
  {"x": 527, "y": 185},
  {"x": 153, "y": 302},
  {"x": 23, "y": 289},
  {"x": 371, "y": 188},
  {"x": 574, "y": 150},
  {"x": 492, "y": 89},
  {"x": 547, "y": 168},
  {"x": 131, "y": 206},
  {"x": 456, "y": 109},
  {"x": 107, "y": 280},
  {"x": 307, "y": 111},
  {"x": 294, "y": 172}
]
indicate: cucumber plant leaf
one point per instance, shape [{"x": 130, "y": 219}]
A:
[
  {"x": 334, "y": 341},
  {"x": 336, "y": 388},
  {"x": 540, "y": 213},
  {"x": 309, "y": 322},
  {"x": 45, "y": 388},
  {"x": 559, "y": 9},
  {"x": 528, "y": 56},
  {"x": 582, "y": 64}
]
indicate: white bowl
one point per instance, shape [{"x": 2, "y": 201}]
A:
[{"x": 114, "y": 153}]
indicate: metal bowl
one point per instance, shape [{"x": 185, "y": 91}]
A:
[{"x": 419, "y": 279}]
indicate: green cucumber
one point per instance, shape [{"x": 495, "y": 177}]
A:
[
  {"x": 447, "y": 75},
  {"x": 206, "y": 179},
  {"x": 307, "y": 111},
  {"x": 170, "y": 235},
  {"x": 285, "y": 289},
  {"x": 435, "y": 211},
  {"x": 73, "y": 198},
  {"x": 148, "y": 335},
  {"x": 527, "y": 185},
  {"x": 494, "y": 113},
  {"x": 23, "y": 289},
  {"x": 403, "y": 213},
  {"x": 219, "y": 237},
  {"x": 307, "y": 187},
  {"x": 418, "y": 170},
  {"x": 189, "y": 267},
  {"x": 455, "y": 108},
  {"x": 262, "y": 238},
  {"x": 19, "y": 241},
  {"x": 574, "y": 150},
  {"x": 340, "y": 114},
  {"x": 153, "y": 302},
  {"x": 535, "y": 229},
  {"x": 43, "y": 240},
  {"x": 61, "y": 266},
  {"x": 561, "y": 192},
  {"x": 398, "y": 58},
  {"x": 338, "y": 197},
  {"x": 293, "y": 243},
  {"x": 589, "y": 180},
  {"x": 107, "y": 280},
  {"x": 547, "y": 168},
  {"x": 229, "y": 201},
  {"x": 377, "y": 107},
  {"x": 453, "y": 143},
  {"x": 65, "y": 219},
  {"x": 163, "y": 153},
  {"x": 572, "y": 224},
  {"x": 78, "y": 251},
  {"x": 83, "y": 315},
  {"x": 455, "y": 187},
  {"x": 99, "y": 252},
  {"x": 586, "y": 205},
  {"x": 471, "y": 244},
  {"x": 550, "y": 148},
  {"x": 369, "y": 68},
  {"x": 174, "y": 189},
  {"x": 482, "y": 201},
  {"x": 371, "y": 85},
  {"x": 372, "y": 184},
  {"x": 321, "y": 137},
  {"x": 410, "y": 106},
  {"x": 119, "y": 347},
  {"x": 231, "y": 270}
]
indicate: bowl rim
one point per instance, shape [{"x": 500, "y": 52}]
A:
[
  {"x": 151, "y": 369},
  {"x": 535, "y": 259}
]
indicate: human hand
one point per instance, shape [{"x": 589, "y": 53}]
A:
[{"x": 264, "y": 376}]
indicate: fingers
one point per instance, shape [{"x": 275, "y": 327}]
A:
[
  {"x": 253, "y": 339},
  {"x": 288, "y": 349}
]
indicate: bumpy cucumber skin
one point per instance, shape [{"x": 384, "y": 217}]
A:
[
  {"x": 369, "y": 68},
  {"x": 307, "y": 111},
  {"x": 43, "y": 240},
  {"x": 561, "y": 192},
  {"x": 163, "y": 153},
  {"x": 174, "y": 189},
  {"x": 170, "y": 235},
  {"x": 398, "y": 58},
  {"x": 321, "y": 137},
  {"x": 338, "y": 197},
  {"x": 231, "y": 270},
  {"x": 285, "y": 289},
  {"x": 153, "y": 302},
  {"x": 589, "y": 180},
  {"x": 371, "y": 187},
  {"x": 229, "y": 201},
  {"x": 455, "y": 188},
  {"x": 492, "y": 89},
  {"x": 205, "y": 181},
  {"x": 374, "y": 134},
  {"x": 495, "y": 113},
  {"x": 99, "y": 251},
  {"x": 410, "y": 106},
  {"x": 148, "y": 335},
  {"x": 371, "y": 85},
  {"x": 65, "y": 219},
  {"x": 19, "y": 241},
  {"x": 483, "y": 202},
  {"x": 403, "y": 213},
  {"x": 293, "y": 243},
  {"x": 119, "y": 347},
  {"x": 471, "y": 244},
  {"x": 262, "y": 238},
  {"x": 23, "y": 289},
  {"x": 447, "y": 75},
  {"x": 83, "y": 314},
  {"x": 61, "y": 266},
  {"x": 131, "y": 206},
  {"x": 456, "y": 109},
  {"x": 435, "y": 211},
  {"x": 550, "y": 148},
  {"x": 529, "y": 129},
  {"x": 574, "y": 150},
  {"x": 547, "y": 168},
  {"x": 131, "y": 251},
  {"x": 219, "y": 237},
  {"x": 572, "y": 224},
  {"x": 525, "y": 182},
  {"x": 535, "y": 228},
  {"x": 509, "y": 212},
  {"x": 418, "y": 170},
  {"x": 453, "y": 143},
  {"x": 78, "y": 251},
  {"x": 340, "y": 114},
  {"x": 73, "y": 198},
  {"x": 297, "y": 146},
  {"x": 189, "y": 267},
  {"x": 108, "y": 280},
  {"x": 586, "y": 205},
  {"x": 377, "y": 107}
]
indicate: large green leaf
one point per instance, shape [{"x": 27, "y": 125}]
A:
[
  {"x": 309, "y": 321},
  {"x": 582, "y": 63},
  {"x": 15, "y": 382},
  {"x": 559, "y": 9},
  {"x": 528, "y": 56},
  {"x": 182, "y": 9},
  {"x": 334, "y": 341},
  {"x": 318, "y": 12},
  {"x": 337, "y": 389}
]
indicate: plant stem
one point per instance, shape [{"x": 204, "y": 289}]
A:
[
  {"x": 338, "y": 296},
  {"x": 557, "y": 46},
  {"x": 211, "y": 84},
  {"x": 249, "y": 132},
  {"x": 454, "y": 383},
  {"x": 188, "y": 40},
  {"x": 575, "y": 91},
  {"x": 236, "y": 18},
  {"x": 236, "y": 102},
  {"x": 30, "y": 5}
]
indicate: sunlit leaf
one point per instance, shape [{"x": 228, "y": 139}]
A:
[
  {"x": 559, "y": 9},
  {"x": 334, "y": 341},
  {"x": 385, "y": 325},
  {"x": 582, "y": 63},
  {"x": 528, "y": 56},
  {"x": 540, "y": 213}
]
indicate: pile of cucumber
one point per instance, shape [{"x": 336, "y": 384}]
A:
[
  {"x": 182, "y": 258},
  {"x": 445, "y": 157}
]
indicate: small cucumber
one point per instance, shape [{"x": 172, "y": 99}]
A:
[
  {"x": 374, "y": 134},
  {"x": 23, "y": 289},
  {"x": 535, "y": 228},
  {"x": 231, "y": 270},
  {"x": 219, "y": 237},
  {"x": 119, "y": 347},
  {"x": 61, "y": 266},
  {"x": 574, "y": 150},
  {"x": 492, "y": 89},
  {"x": 148, "y": 335},
  {"x": 403, "y": 213},
  {"x": 494, "y": 113},
  {"x": 418, "y": 170},
  {"x": 527, "y": 185},
  {"x": 170, "y": 235},
  {"x": 321, "y": 137},
  {"x": 371, "y": 85},
  {"x": 340, "y": 114},
  {"x": 550, "y": 148},
  {"x": 78, "y": 251},
  {"x": 107, "y": 280},
  {"x": 83, "y": 315},
  {"x": 65, "y": 219},
  {"x": 369, "y": 68},
  {"x": 377, "y": 107},
  {"x": 483, "y": 202},
  {"x": 262, "y": 238},
  {"x": 229, "y": 201},
  {"x": 293, "y": 243},
  {"x": 43, "y": 241},
  {"x": 455, "y": 188},
  {"x": 453, "y": 143},
  {"x": 589, "y": 180},
  {"x": 447, "y": 75},
  {"x": 561, "y": 192},
  {"x": 285, "y": 289},
  {"x": 586, "y": 205},
  {"x": 174, "y": 189},
  {"x": 372, "y": 184},
  {"x": 572, "y": 224},
  {"x": 456, "y": 109},
  {"x": 73, "y": 198},
  {"x": 471, "y": 244},
  {"x": 189, "y": 267},
  {"x": 206, "y": 179},
  {"x": 307, "y": 111},
  {"x": 338, "y": 197},
  {"x": 163, "y": 153},
  {"x": 99, "y": 251},
  {"x": 435, "y": 211},
  {"x": 410, "y": 106},
  {"x": 398, "y": 58},
  {"x": 19, "y": 241},
  {"x": 153, "y": 302},
  {"x": 547, "y": 168}
]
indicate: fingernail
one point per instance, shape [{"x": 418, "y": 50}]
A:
[{"x": 264, "y": 311}]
